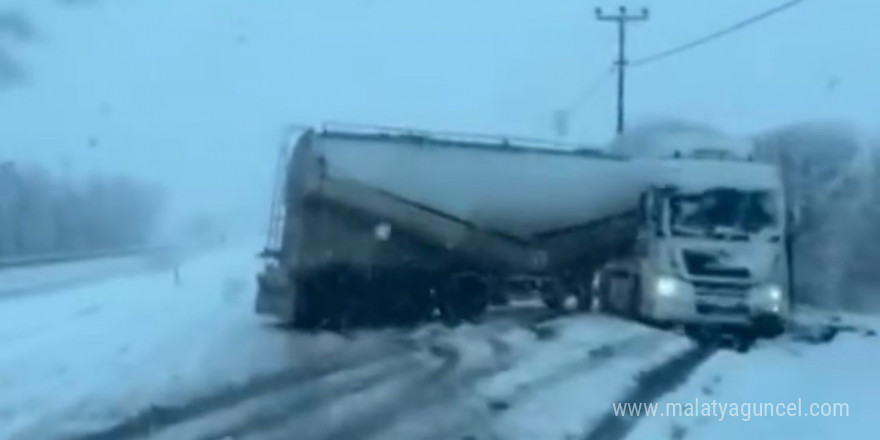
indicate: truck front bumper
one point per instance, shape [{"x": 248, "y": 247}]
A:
[{"x": 690, "y": 309}]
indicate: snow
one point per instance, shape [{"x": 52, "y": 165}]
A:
[
  {"x": 95, "y": 354},
  {"x": 665, "y": 139},
  {"x": 843, "y": 371},
  {"x": 695, "y": 175},
  {"x": 90, "y": 357},
  {"x": 553, "y": 379},
  {"x": 563, "y": 407}
]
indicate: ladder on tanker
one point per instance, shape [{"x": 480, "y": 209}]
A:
[{"x": 278, "y": 210}]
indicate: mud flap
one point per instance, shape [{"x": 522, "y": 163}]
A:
[{"x": 275, "y": 300}]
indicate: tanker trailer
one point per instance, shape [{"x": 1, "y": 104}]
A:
[{"x": 390, "y": 227}]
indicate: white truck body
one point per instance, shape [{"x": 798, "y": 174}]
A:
[{"x": 407, "y": 224}]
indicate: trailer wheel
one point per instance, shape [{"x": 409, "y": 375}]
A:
[
  {"x": 304, "y": 315},
  {"x": 600, "y": 288},
  {"x": 402, "y": 298},
  {"x": 635, "y": 298},
  {"x": 584, "y": 298},
  {"x": 326, "y": 300},
  {"x": 554, "y": 303},
  {"x": 554, "y": 296},
  {"x": 465, "y": 297}
]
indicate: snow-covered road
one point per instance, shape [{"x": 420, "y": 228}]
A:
[{"x": 184, "y": 357}]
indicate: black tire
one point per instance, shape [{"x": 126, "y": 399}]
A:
[
  {"x": 635, "y": 301},
  {"x": 402, "y": 298},
  {"x": 600, "y": 297},
  {"x": 328, "y": 300},
  {"x": 583, "y": 298},
  {"x": 499, "y": 298},
  {"x": 768, "y": 326},
  {"x": 554, "y": 302},
  {"x": 305, "y": 315},
  {"x": 556, "y": 296},
  {"x": 465, "y": 297},
  {"x": 694, "y": 332}
]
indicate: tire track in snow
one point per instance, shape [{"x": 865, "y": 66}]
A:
[
  {"x": 406, "y": 379},
  {"x": 650, "y": 386},
  {"x": 431, "y": 389},
  {"x": 159, "y": 417},
  {"x": 274, "y": 413},
  {"x": 596, "y": 357}
]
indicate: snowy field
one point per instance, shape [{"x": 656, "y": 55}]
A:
[
  {"x": 154, "y": 355},
  {"x": 28, "y": 280}
]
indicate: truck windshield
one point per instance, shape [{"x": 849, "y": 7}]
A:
[{"x": 723, "y": 213}]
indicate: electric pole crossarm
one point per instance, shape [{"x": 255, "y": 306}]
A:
[{"x": 623, "y": 15}]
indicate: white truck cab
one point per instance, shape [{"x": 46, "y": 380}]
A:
[{"x": 710, "y": 248}]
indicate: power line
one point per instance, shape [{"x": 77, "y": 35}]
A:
[
  {"x": 715, "y": 35},
  {"x": 562, "y": 116},
  {"x": 590, "y": 91}
]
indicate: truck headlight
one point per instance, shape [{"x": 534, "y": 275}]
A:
[
  {"x": 667, "y": 286},
  {"x": 772, "y": 292}
]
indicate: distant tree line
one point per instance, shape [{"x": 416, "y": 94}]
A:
[
  {"x": 831, "y": 175},
  {"x": 44, "y": 214}
]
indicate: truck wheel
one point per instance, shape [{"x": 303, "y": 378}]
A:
[
  {"x": 635, "y": 300},
  {"x": 554, "y": 303},
  {"x": 464, "y": 298},
  {"x": 768, "y": 326},
  {"x": 403, "y": 299},
  {"x": 325, "y": 301},
  {"x": 499, "y": 298},
  {"x": 554, "y": 296},
  {"x": 584, "y": 298},
  {"x": 599, "y": 294}
]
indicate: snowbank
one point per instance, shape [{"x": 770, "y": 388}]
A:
[{"x": 842, "y": 371}]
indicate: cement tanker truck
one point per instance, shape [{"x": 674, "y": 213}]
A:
[{"x": 391, "y": 227}]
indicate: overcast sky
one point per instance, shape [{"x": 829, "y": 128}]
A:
[{"x": 194, "y": 94}]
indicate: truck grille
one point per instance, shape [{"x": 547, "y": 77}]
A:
[
  {"x": 715, "y": 309},
  {"x": 720, "y": 289},
  {"x": 709, "y": 265}
]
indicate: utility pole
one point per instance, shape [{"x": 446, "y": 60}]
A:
[{"x": 622, "y": 18}]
